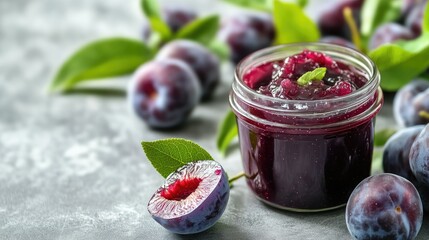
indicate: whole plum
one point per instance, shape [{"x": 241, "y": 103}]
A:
[
  {"x": 419, "y": 157},
  {"x": 408, "y": 5},
  {"x": 389, "y": 33},
  {"x": 163, "y": 93},
  {"x": 246, "y": 33},
  {"x": 397, "y": 150},
  {"x": 175, "y": 18},
  {"x": 332, "y": 22},
  {"x": 384, "y": 206},
  {"x": 424, "y": 194},
  {"x": 410, "y": 102},
  {"x": 204, "y": 63},
  {"x": 414, "y": 20}
]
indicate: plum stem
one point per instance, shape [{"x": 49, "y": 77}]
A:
[
  {"x": 356, "y": 38},
  {"x": 424, "y": 114},
  {"x": 236, "y": 177}
]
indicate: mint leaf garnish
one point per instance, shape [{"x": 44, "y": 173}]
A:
[
  {"x": 152, "y": 11},
  {"x": 400, "y": 62},
  {"x": 315, "y": 75},
  {"x": 292, "y": 24},
  {"x": 381, "y": 137},
  {"x": 101, "y": 59},
  {"x": 201, "y": 30},
  {"x": 227, "y": 132},
  {"x": 378, "y": 12},
  {"x": 168, "y": 155}
]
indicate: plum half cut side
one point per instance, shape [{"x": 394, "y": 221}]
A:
[{"x": 192, "y": 198}]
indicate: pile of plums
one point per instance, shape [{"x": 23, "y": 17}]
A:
[
  {"x": 406, "y": 153},
  {"x": 163, "y": 92},
  {"x": 390, "y": 205}
]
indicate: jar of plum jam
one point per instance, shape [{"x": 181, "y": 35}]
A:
[{"x": 306, "y": 146}]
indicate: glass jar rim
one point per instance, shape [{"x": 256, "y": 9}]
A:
[
  {"x": 370, "y": 92},
  {"x": 366, "y": 88}
]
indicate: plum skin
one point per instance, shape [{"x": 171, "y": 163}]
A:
[
  {"x": 175, "y": 18},
  {"x": 409, "y": 101},
  {"x": 246, "y": 33},
  {"x": 332, "y": 22},
  {"x": 397, "y": 150},
  {"x": 414, "y": 19},
  {"x": 384, "y": 206},
  {"x": 205, "y": 215},
  {"x": 204, "y": 63},
  {"x": 389, "y": 33},
  {"x": 419, "y": 157},
  {"x": 164, "y": 93}
]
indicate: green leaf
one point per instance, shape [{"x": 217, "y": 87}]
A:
[
  {"x": 377, "y": 161},
  {"x": 381, "y": 137},
  {"x": 168, "y": 155},
  {"x": 426, "y": 19},
  {"x": 400, "y": 62},
  {"x": 261, "y": 5},
  {"x": 376, "y": 12},
  {"x": 302, "y": 3},
  {"x": 202, "y": 30},
  {"x": 316, "y": 75},
  {"x": 292, "y": 24},
  {"x": 101, "y": 59},
  {"x": 220, "y": 48},
  {"x": 227, "y": 132},
  {"x": 151, "y": 10}
]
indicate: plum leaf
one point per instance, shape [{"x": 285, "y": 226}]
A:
[
  {"x": 103, "y": 58},
  {"x": 400, "y": 62},
  {"x": 220, "y": 48},
  {"x": 227, "y": 132},
  {"x": 261, "y": 5},
  {"x": 151, "y": 10},
  {"x": 426, "y": 19},
  {"x": 202, "y": 30},
  {"x": 377, "y": 12},
  {"x": 292, "y": 24},
  {"x": 381, "y": 137},
  {"x": 302, "y": 3},
  {"x": 377, "y": 161},
  {"x": 167, "y": 155}
]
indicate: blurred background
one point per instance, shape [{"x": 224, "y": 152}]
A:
[{"x": 72, "y": 167}]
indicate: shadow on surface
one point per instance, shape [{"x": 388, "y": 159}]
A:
[
  {"x": 333, "y": 218},
  {"x": 218, "y": 231}
]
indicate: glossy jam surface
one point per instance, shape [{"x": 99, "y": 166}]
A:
[
  {"x": 279, "y": 78},
  {"x": 298, "y": 168}
]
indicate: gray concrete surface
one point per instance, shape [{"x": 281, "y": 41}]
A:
[{"x": 71, "y": 167}]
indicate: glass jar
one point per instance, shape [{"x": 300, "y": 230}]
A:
[{"x": 306, "y": 155}]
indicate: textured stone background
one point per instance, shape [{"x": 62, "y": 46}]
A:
[{"x": 71, "y": 167}]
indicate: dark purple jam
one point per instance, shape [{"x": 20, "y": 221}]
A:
[
  {"x": 301, "y": 168},
  {"x": 279, "y": 79}
]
